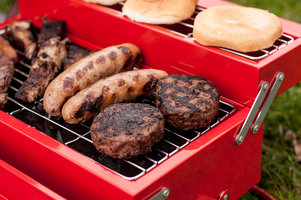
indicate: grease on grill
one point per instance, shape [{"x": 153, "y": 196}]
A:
[
  {"x": 10, "y": 107},
  {"x": 226, "y": 107},
  {"x": 174, "y": 139},
  {"x": 45, "y": 126},
  {"x": 157, "y": 156},
  {"x": 222, "y": 114},
  {"x": 190, "y": 135},
  {"x": 143, "y": 162},
  {"x": 116, "y": 165},
  {"x": 166, "y": 147},
  {"x": 78, "y": 128}
]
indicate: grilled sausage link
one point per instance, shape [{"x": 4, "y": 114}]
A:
[
  {"x": 120, "y": 87},
  {"x": 88, "y": 70}
]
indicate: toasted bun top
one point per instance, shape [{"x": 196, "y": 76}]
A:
[
  {"x": 159, "y": 11},
  {"x": 240, "y": 28},
  {"x": 105, "y": 2}
]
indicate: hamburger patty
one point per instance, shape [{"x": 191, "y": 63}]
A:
[
  {"x": 127, "y": 129},
  {"x": 188, "y": 102}
]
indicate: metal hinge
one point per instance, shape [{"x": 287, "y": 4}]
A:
[
  {"x": 255, "y": 107},
  {"x": 161, "y": 195}
]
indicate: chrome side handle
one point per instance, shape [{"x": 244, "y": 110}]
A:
[
  {"x": 268, "y": 102},
  {"x": 256, "y": 105},
  {"x": 247, "y": 123}
]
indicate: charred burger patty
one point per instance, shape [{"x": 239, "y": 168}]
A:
[
  {"x": 187, "y": 102},
  {"x": 127, "y": 129}
]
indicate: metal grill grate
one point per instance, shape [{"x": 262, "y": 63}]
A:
[
  {"x": 185, "y": 29},
  {"x": 78, "y": 137}
]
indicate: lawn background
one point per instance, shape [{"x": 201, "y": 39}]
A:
[{"x": 281, "y": 173}]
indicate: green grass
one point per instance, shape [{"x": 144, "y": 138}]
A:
[
  {"x": 5, "y": 5},
  {"x": 289, "y": 9},
  {"x": 280, "y": 172}
]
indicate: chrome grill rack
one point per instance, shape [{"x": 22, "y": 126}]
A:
[
  {"x": 185, "y": 28},
  {"x": 78, "y": 137}
]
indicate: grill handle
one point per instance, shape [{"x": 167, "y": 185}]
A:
[
  {"x": 267, "y": 103},
  {"x": 256, "y": 105},
  {"x": 163, "y": 194}
]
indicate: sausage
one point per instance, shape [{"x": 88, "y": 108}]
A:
[
  {"x": 88, "y": 70},
  {"x": 122, "y": 87}
]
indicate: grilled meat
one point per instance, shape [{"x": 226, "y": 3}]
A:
[
  {"x": 45, "y": 67},
  {"x": 127, "y": 130},
  {"x": 88, "y": 70},
  {"x": 74, "y": 53},
  {"x": 188, "y": 102},
  {"x": 105, "y": 2},
  {"x": 121, "y": 87},
  {"x": 8, "y": 57},
  {"x": 20, "y": 34},
  {"x": 51, "y": 29}
]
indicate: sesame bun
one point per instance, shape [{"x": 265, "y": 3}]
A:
[
  {"x": 239, "y": 28},
  {"x": 159, "y": 11},
  {"x": 105, "y": 2}
]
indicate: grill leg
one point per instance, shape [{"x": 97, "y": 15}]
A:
[{"x": 262, "y": 193}]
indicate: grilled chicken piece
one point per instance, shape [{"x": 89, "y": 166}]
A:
[
  {"x": 51, "y": 29},
  {"x": 45, "y": 67},
  {"x": 7, "y": 58},
  {"x": 20, "y": 34},
  {"x": 75, "y": 53}
]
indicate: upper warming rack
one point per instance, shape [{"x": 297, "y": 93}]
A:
[{"x": 185, "y": 29}]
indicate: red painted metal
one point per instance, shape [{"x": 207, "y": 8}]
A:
[
  {"x": 209, "y": 165},
  {"x": 16, "y": 185},
  {"x": 236, "y": 77},
  {"x": 206, "y": 167},
  {"x": 261, "y": 193}
]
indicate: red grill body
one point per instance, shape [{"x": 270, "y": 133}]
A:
[
  {"x": 13, "y": 180},
  {"x": 203, "y": 169}
]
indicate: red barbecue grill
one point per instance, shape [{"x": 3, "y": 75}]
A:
[
  {"x": 218, "y": 162},
  {"x": 24, "y": 185}
]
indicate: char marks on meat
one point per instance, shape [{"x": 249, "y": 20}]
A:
[
  {"x": 128, "y": 129},
  {"x": 51, "y": 29},
  {"x": 8, "y": 57},
  {"x": 20, "y": 33},
  {"x": 74, "y": 53},
  {"x": 121, "y": 87},
  {"x": 85, "y": 72},
  {"x": 45, "y": 67},
  {"x": 188, "y": 102}
]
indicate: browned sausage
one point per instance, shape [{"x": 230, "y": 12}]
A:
[
  {"x": 86, "y": 71},
  {"x": 120, "y": 87}
]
